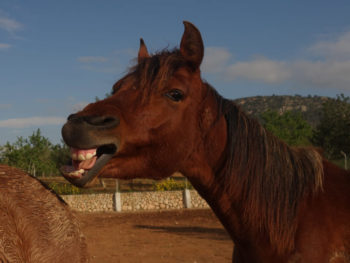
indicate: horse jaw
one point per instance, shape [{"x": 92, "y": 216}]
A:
[{"x": 85, "y": 168}]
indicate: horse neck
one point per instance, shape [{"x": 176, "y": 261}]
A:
[{"x": 203, "y": 166}]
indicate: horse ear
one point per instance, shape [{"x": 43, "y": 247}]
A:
[
  {"x": 143, "y": 53},
  {"x": 191, "y": 46}
]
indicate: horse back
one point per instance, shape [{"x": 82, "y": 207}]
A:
[
  {"x": 35, "y": 224},
  {"x": 323, "y": 234}
]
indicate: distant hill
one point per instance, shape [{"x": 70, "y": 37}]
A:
[{"x": 310, "y": 107}]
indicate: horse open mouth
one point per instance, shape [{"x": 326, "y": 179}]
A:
[{"x": 87, "y": 163}]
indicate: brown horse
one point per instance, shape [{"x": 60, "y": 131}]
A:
[
  {"x": 279, "y": 204},
  {"x": 36, "y": 226}
]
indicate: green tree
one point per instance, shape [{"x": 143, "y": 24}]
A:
[
  {"x": 35, "y": 155},
  {"x": 60, "y": 154},
  {"x": 290, "y": 127},
  {"x": 333, "y": 132}
]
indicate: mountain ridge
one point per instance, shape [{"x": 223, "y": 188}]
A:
[{"x": 310, "y": 107}]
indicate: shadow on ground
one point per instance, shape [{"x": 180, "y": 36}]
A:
[{"x": 198, "y": 232}]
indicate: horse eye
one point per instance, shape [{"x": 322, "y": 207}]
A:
[{"x": 175, "y": 95}]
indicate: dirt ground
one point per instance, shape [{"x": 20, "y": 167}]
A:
[{"x": 164, "y": 236}]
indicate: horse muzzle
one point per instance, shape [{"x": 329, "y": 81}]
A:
[{"x": 92, "y": 146}]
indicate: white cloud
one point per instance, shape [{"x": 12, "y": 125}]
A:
[
  {"x": 114, "y": 63},
  {"x": 31, "y": 121},
  {"x": 4, "y": 46},
  {"x": 332, "y": 67},
  {"x": 97, "y": 64},
  {"x": 337, "y": 49},
  {"x": 260, "y": 69},
  {"x": 324, "y": 74},
  {"x": 127, "y": 52},
  {"x": 92, "y": 59},
  {"x": 329, "y": 69},
  {"x": 215, "y": 59},
  {"x": 8, "y": 24},
  {"x": 107, "y": 69}
]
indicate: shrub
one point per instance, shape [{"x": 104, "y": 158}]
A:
[
  {"x": 65, "y": 189},
  {"x": 171, "y": 185}
]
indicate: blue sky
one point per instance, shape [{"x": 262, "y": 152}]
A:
[{"x": 56, "y": 56}]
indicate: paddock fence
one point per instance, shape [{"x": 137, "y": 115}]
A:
[{"x": 135, "y": 201}]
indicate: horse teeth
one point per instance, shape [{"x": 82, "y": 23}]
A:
[
  {"x": 77, "y": 172},
  {"x": 88, "y": 156},
  {"x": 81, "y": 157}
]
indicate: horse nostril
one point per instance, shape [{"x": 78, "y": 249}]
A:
[
  {"x": 102, "y": 121},
  {"x": 94, "y": 121}
]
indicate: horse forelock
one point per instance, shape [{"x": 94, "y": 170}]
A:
[
  {"x": 266, "y": 177},
  {"x": 154, "y": 72}
]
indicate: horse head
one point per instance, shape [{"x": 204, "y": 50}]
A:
[{"x": 150, "y": 125}]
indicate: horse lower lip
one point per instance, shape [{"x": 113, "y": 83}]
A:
[
  {"x": 101, "y": 161},
  {"x": 92, "y": 173}
]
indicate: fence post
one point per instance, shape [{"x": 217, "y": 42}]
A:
[
  {"x": 117, "y": 199},
  {"x": 187, "y": 198},
  {"x": 345, "y": 160}
]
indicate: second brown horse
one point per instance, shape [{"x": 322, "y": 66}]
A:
[{"x": 279, "y": 204}]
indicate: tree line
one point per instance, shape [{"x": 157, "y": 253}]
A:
[
  {"x": 39, "y": 157},
  {"x": 332, "y": 134},
  {"x": 35, "y": 155}
]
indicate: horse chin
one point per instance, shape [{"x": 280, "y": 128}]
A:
[{"x": 81, "y": 174}]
